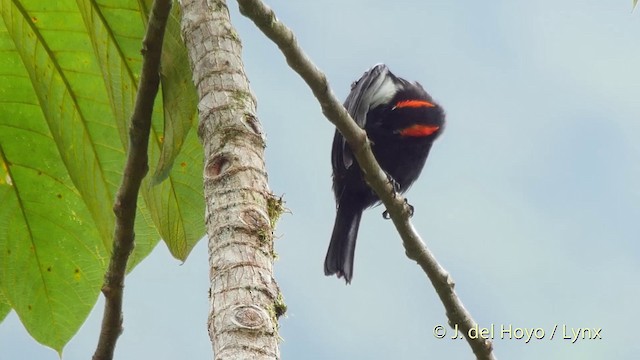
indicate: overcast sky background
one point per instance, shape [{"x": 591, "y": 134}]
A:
[{"x": 530, "y": 199}]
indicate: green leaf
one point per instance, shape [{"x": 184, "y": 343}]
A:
[
  {"x": 68, "y": 79},
  {"x": 635, "y": 2},
  {"x": 120, "y": 59},
  {"x": 179, "y": 95}
]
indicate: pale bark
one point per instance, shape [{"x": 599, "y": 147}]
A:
[{"x": 240, "y": 210}]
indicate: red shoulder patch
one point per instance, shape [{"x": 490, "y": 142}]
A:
[
  {"x": 418, "y": 130},
  {"x": 412, "y": 104}
]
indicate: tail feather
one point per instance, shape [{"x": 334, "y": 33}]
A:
[{"x": 342, "y": 248}]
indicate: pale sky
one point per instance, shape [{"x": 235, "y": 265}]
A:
[{"x": 530, "y": 198}]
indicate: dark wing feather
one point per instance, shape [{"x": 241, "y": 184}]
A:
[{"x": 375, "y": 87}]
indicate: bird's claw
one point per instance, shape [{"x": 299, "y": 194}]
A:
[
  {"x": 387, "y": 216},
  {"x": 411, "y": 208},
  {"x": 394, "y": 184}
]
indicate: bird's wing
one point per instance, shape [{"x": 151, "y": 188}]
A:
[{"x": 377, "y": 86}]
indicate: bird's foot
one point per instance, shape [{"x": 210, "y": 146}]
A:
[
  {"x": 411, "y": 208},
  {"x": 387, "y": 216},
  {"x": 394, "y": 184}
]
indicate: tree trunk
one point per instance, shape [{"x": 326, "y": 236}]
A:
[{"x": 240, "y": 209}]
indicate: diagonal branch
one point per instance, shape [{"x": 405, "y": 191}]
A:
[
  {"x": 135, "y": 170},
  {"x": 265, "y": 19}
]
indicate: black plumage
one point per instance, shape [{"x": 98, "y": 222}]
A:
[{"x": 402, "y": 121}]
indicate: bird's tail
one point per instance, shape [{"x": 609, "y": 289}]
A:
[{"x": 341, "y": 251}]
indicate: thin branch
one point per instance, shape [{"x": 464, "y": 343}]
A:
[
  {"x": 135, "y": 170},
  {"x": 265, "y": 19}
]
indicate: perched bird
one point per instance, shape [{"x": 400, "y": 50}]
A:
[{"x": 402, "y": 121}]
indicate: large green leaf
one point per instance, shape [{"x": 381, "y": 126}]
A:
[
  {"x": 179, "y": 95},
  {"x": 68, "y": 76},
  {"x": 110, "y": 29}
]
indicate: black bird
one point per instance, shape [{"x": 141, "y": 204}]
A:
[{"x": 402, "y": 121}]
